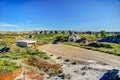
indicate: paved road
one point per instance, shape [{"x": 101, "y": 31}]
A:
[{"x": 81, "y": 54}]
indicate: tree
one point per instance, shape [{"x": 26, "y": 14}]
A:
[
  {"x": 103, "y": 33},
  {"x": 96, "y": 35}
]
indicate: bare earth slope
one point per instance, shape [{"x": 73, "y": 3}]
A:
[{"x": 81, "y": 54}]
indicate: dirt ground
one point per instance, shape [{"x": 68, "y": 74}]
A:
[
  {"x": 10, "y": 76},
  {"x": 77, "y": 53}
]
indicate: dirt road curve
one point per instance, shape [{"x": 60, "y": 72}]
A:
[{"x": 81, "y": 54}]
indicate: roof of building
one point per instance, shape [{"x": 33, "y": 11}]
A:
[{"x": 27, "y": 41}]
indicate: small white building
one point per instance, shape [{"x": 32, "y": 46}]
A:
[{"x": 26, "y": 43}]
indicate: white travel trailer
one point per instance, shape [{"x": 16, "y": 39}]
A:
[{"x": 26, "y": 43}]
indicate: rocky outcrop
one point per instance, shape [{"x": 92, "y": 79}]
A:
[
  {"x": 73, "y": 37},
  {"x": 55, "y": 32},
  {"x": 112, "y": 39}
]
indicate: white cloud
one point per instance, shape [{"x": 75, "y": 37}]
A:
[
  {"x": 3, "y": 24},
  {"x": 37, "y": 28},
  {"x": 24, "y": 27},
  {"x": 29, "y": 21}
]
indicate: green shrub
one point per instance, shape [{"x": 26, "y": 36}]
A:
[{"x": 99, "y": 45}]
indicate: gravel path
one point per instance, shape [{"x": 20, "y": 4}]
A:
[{"x": 81, "y": 54}]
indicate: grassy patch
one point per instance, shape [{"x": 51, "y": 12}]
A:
[
  {"x": 7, "y": 66},
  {"x": 87, "y": 36},
  {"x": 23, "y": 53},
  {"x": 47, "y": 38},
  {"x": 8, "y": 60}
]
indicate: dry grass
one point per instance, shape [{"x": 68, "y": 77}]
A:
[{"x": 41, "y": 63}]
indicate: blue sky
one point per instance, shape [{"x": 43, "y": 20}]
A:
[{"x": 82, "y": 15}]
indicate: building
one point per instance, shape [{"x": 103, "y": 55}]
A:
[{"x": 26, "y": 43}]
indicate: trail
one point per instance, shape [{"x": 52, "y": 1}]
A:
[{"x": 72, "y": 52}]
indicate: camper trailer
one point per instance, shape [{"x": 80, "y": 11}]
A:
[{"x": 26, "y": 43}]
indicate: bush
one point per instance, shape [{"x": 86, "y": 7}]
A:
[{"x": 99, "y": 45}]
